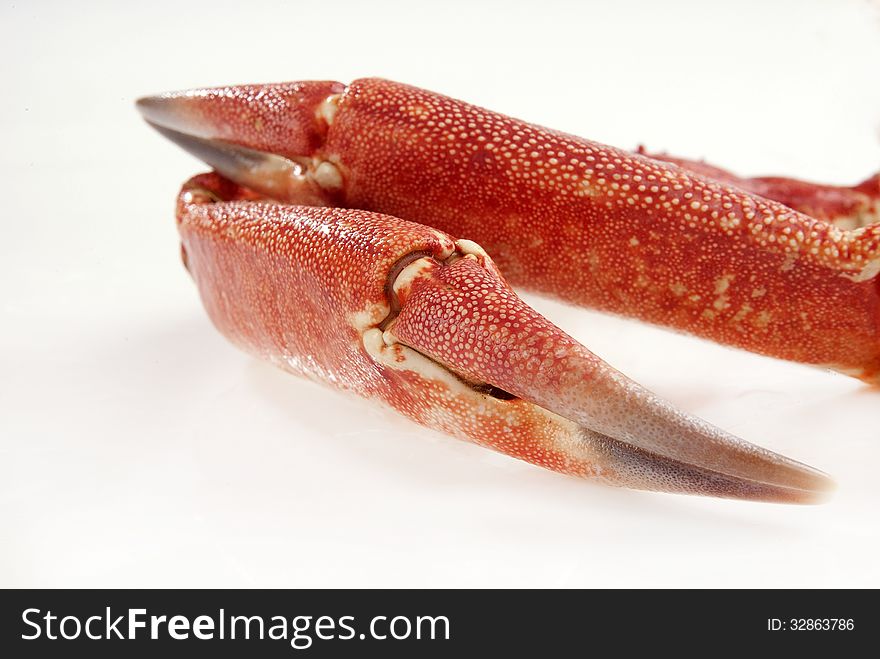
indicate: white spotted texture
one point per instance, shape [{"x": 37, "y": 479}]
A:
[
  {"x": 310, "y": 289},
  {"x": 614, "y": 230},
  {"x": 463, "y": 316}
]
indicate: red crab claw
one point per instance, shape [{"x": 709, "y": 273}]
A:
[
  {"x": 263, "y": 136},
  {"x": 463, "y": 315},
  {"x": 403, "y": 314},
  {"x": 688, "y": 247},
  {"x": 426, "y": 324}
]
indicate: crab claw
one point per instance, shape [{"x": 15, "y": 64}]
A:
[
  {"x": 400, "y": 312},
  {"x": 262, "y": 136},
  {"x": 688, "y": 247},
  {"x": 463, "y": 315}
]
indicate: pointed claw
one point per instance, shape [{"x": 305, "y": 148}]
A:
[
  {"x": 287, "y": 119},
  {"x": 262, "y": 136},
  {"x": 462, "y": 315},
  {"x": 272, "y": 175},
  {"x": 627, "y": 465},
  {"x": 710, "y": 254},
  {"x": 572, "y": 412}
]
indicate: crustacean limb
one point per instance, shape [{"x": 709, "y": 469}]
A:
[
  {"x": 295, "y": 262},
  {"x": 561, "y": 215},
  {"x": 405, "y": 314}
]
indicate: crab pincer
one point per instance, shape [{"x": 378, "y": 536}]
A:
[
  {"x": 336, "y": 240},
  {"x": 411, "y": 317},
  {"x": 671, "y": 243}
]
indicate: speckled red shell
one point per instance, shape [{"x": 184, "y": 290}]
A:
[
  {"x": 613, "y": 230},
  {"x": 301, "y": 286},
  {"x": 313, "y": 290}
]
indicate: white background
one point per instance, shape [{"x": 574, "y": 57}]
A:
[{"x": 138, "y": 448}]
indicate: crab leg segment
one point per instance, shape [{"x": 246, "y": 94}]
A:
[
  {"x": 465, "y": 317},
  {"x": 406, "y": 315},
  {"x": 629, "y": 234}
]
